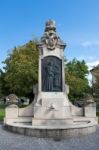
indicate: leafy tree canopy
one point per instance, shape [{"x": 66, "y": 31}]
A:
[
  {"x": 76, "y": 77},
  {"x": 21, "y": 72},
  {"x": 21, "y": 69}
]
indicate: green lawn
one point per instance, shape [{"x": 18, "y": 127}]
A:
[{"x": 2, "y": 112}]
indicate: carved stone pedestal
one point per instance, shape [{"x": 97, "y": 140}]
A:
[{"x": 52, "y": 103}]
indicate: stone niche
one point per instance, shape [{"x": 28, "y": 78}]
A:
[{"x": 51, "y": 74}]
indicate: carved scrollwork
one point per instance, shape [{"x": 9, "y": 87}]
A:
[{"x": 50, "y": 37}]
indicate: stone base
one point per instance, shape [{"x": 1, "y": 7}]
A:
[
  {"x": 41, "y": 112},
  {"x": 51, "y": 108},
  {"x": 50, "y": 132},
  {"x": 51, "y": 122}
]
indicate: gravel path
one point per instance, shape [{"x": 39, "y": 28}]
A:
[{"x": 11, "y": 141}]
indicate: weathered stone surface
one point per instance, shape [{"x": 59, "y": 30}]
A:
[
  {"x": 52, "y": 133},
  {"x": 90, "y": 110},
  {"x": 11, "y": 111}
]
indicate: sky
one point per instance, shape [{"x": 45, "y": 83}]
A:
[{"x": 77, "y": 24}]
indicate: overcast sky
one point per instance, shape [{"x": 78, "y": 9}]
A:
[{"x": 77, "y": 24}]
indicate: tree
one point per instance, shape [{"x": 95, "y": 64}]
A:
[
  {"x": 21, "y": 69},
  {"x": 0, "y": 85},
  {"x": 21, "y": 72},
  {"x": 76, "y": 77},
  {"x": 3, "y": 88}
]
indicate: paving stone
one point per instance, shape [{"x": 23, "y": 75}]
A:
[{"x": 11, "y": 141}]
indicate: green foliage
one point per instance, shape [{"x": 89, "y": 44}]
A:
[
  {"x": 21, "y": 72},
  {"x": 2, "y": 112},
  {"x": 21, "y": 69},
  {"x": 2, "y": 84},
  {"x": 77, "y": 68},
  {"x": 75, "y": 73}
]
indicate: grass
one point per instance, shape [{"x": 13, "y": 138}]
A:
[
  {"x": 97, "y": 113},
  {"x": 2, "y": 114},
  {"x": 2, "y": 111}
]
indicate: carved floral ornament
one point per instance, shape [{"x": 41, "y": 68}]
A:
[{"x": 50, "y": 37}]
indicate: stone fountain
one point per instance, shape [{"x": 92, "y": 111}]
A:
[{"x": 51, "y": 114}]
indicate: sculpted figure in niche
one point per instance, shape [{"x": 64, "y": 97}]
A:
[
  {"x": 50, "y": 76},
  {"x": 57, "y": 77}
]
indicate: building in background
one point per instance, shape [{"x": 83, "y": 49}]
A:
[{"x": 95, "y": 80}]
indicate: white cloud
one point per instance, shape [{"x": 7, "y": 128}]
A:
[
  {"x": 86, "y": 44},
  {"x": 92, "y": 64},
  {"x": 81, "y": 57},
  {"x": 90, "y": 43},
  {"x": 86, "y": 58},
  {"x": 90, "y": 58},
  {"x": 89, "y": 79}
]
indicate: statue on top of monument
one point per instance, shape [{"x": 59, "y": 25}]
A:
[{"x": 50, "y": 37}]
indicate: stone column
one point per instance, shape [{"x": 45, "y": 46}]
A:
[{"x": 52, "y": 104}]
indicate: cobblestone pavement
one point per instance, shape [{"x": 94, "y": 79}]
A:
[{"x": 11, "y": 141}]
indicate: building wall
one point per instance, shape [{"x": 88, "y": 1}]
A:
[{"x": 94, "y": 73}]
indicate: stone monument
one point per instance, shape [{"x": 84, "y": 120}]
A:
[
  {"x": 52, "y": 104},
  {"x": 52, "y": 114}
]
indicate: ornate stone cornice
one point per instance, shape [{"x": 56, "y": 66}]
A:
[{"x": 50, "y": 39}]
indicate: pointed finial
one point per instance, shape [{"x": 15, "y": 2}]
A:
[{"x": 50, "y": 25}]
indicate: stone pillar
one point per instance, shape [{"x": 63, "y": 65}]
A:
[
  {"x": 90, "y": 106},
  {"x": 52, "y": 104},
  {"x": 90, "y": 110},
  {"x": 11, "y": 112}
]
